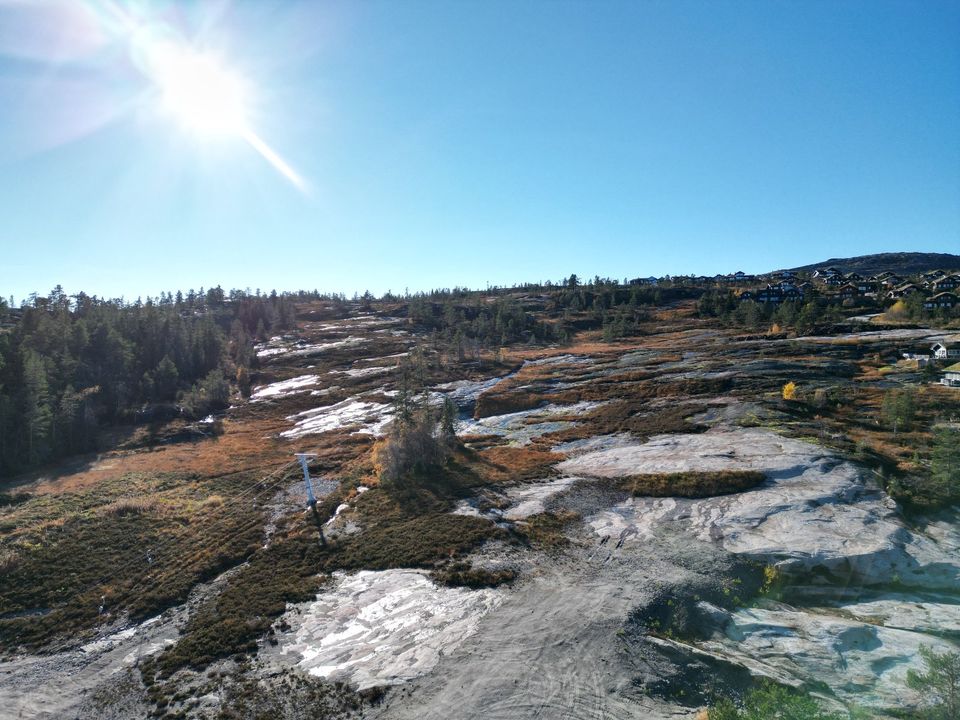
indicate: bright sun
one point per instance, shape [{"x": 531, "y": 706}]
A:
[{"x": 199, "y": 92}]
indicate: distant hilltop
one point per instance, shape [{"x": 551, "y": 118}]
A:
[{"x": 906, "y": 263}]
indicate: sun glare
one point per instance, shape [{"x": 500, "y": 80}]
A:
[
  {"x": 193, "y": 86},
  {"x": 199, "y": 92}
]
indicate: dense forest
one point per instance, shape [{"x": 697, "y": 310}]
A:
[{"x": 70, "y": 365}]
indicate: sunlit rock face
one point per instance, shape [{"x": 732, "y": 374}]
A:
[
  {"x": 814, "y": 513},
  {"x": 862, "y": 662}
]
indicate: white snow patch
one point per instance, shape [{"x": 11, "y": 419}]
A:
[
  {"x": 530, "y": 499},
  {"x": 464, "y": 392},
  {"x": 283, "y": 388},
  {"x": 385, "y": 627},
  {"x": 364, "y": 372},
  {"x": 302, "y": 349},
  {"x": 523, "y": 426},
  {"x": 271, "y": 351},
  {"x": 340, "y": 508},
  {"x": 370, "y": 416}
]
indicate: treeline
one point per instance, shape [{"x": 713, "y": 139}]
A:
[
  {"x": 911, "y": 309},
  {"x": 466, "y": 327},
  {"x": 466, "y": 323},
  {"x": 801, "y": 316},
  {"x": 617, "y": 309},
  {"x": 70, "y": 365}
]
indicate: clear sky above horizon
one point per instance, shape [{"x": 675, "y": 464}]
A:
[{"x": 392, "y": 145}]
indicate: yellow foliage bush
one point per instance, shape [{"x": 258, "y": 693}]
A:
[{"x": 790, "y": 391}]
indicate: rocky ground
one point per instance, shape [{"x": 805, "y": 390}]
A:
[{"x": 623, "y": 606}]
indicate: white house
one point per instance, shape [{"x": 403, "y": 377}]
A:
[
  {"x": 951, "y": 376},
  {"x": 946, "y": 350}
]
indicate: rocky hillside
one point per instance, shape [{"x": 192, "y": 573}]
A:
[
  {"x": 900, "y": 263},
  {"x": 636, "y": 527}
]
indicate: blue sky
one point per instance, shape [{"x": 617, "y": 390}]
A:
[{"x": 467, "y": 142}]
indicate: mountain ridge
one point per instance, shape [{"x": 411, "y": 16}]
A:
[{"x": 906, "y": 263}]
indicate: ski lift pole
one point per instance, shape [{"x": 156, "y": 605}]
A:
[{"x": 304, "y": 459}]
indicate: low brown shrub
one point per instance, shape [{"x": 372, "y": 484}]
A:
[
  {"x": 460, "y": 574},
  {"x": 489, "y": 404},
  {"x": 546, "y": 529},
  {"x": 692, "y": 484}
]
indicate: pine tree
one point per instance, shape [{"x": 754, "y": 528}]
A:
[
  {"x": 448, "y": 419},
  {"x": 939, "y": 685},
  {"x": 37, "y": 414},
  {"x": 945, "y": 463}
]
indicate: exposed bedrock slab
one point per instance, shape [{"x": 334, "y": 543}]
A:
[
  {"x": 860, "y": 662},
  {"x": 814, "y": 513}
]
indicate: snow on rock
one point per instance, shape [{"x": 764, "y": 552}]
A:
[
  {"x": 814, "y": 511},
  {"x": 371, "y": 417},
  {"x": 302, "y": 349},
  {"x": 465, "y": 392},
  {"x": 523, "y": 426},
  {"x": 384, "y": 627},
  {"x": 364, "y": 372},
  {"x": 283, "y": 388},
  {"x": 560, "y": 359},
  {"x": 531, "y": 499}
]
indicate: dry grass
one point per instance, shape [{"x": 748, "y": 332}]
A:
[
  {"x": 134, "y": 506},
  {"x": 505, "y": 464},
  {"x": 502, "y": 403},
  {"x": 545, "y": 529},
  {"x": 9, "y": 559},
  {"x": 461, "y": 574},
  {"x": 629, "y": 416},
  {"x": 692, "y": 484}
]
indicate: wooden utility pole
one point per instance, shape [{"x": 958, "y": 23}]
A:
[{"x": 304, "y": 459}]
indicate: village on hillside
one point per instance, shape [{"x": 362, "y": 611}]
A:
[
  {"x": 933, "y": 290},
  {"x": 886, "y": 297}
]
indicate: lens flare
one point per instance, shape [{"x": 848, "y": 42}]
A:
[{"x": 202, "y": 95}]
